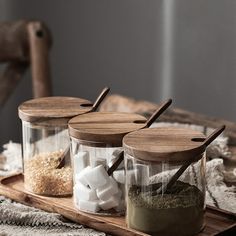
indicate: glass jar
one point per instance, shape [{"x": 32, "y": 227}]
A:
[
  {"x": 157, "y": 202},
  {"x": 96, "y": 144},
  {"x": 46, "y": 166},
  {"x": 229, "y": 171}
]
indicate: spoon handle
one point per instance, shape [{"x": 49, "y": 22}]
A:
[
  {"x": 100, "y": 98},
  {"x": 174, "y": 178},
  {"x": 158, "y": 112},
  {"x": 120, "y": 158},
  {"x": 63, "y": 157},
  {"x": 214, "y": 135}
]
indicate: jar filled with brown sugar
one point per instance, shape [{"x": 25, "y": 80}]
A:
[
  {"x": 47, "y": 168},
  {"x": 165, "y": 181},
  {"x": 96, "y": 145}
]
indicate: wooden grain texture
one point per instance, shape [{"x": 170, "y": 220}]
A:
[
  {"x": 105, "y": 127},
  {"x": 10, "y": 78},
  {"x": 164, "y": 144},
  {"x": 100, "y": 98},
  {"x": 15, "y": 51},
  {"x": 117, "y": 103},
  {"x": 159, "y": 111},
  {"x": 216, "y": 221},
  {"x": 44, "y": 108},
  {"x": 39, "y": 43},
  {"x": 14, "y": 41}
]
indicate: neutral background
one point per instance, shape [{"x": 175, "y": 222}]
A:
[{"x": 150, "y": 50}]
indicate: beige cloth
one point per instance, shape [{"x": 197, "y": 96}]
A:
[{"x": 21, "y": 220}]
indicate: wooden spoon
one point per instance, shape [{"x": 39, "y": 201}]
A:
[
  {"x": 181, "y": 170},
  {"x": 100, "y": 98},
  {"x": 158, "y": 112},
  {"x": 96, "y": 104},
  {"x": 149, "y": 122},
  {"x": 64, "y": 158}
]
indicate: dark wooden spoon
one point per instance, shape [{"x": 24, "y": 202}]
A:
[{"x": 100, "y": 98}]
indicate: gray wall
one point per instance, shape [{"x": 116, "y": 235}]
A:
[
  {"x": 204, "y": 57},
  {"x": 185, "y": 49}
]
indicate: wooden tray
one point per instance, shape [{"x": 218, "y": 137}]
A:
[{"x": 218, "y": 222}]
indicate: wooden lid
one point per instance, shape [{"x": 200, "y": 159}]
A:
[
  {"x": 164, "y": 144},
  {"x": 45, "y": 108},
  {"x": 105, "y": 127}
]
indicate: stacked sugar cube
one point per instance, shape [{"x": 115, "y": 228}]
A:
[{"x": 94, "y": 189}]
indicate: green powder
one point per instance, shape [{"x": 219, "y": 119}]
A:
[{"x": 179, "y": 211}]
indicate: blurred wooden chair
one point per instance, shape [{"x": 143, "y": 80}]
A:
[{"x": 24, "y": 44}]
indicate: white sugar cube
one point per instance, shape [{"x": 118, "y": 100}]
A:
[
  {"x": 82, "y": 192},
  {"x": 96, "y": 177},
  {"x": 81, "y": 160},
  {"x": 98, "y": 161},
  {"x": 112, "y": 202},
  {"x": 80, "y": 177},
  {"x": 107, "y": 190},
  {"x": 91, "y": 206},
  {"x": 119, "y": 176}
]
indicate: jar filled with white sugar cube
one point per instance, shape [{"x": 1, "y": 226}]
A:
[
  {"x": 46, "y": 142},
  {"x": 96, "y": 152}
]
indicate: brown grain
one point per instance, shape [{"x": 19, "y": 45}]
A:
[{"x": 42, "y": 177}]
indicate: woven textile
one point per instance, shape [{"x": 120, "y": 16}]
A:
[{"x": 17, "y": 219}]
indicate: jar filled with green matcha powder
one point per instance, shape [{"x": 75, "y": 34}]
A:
[{"x": 165, "y": 181}]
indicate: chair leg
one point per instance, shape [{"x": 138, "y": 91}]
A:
[{"x": 39, "y": 43}]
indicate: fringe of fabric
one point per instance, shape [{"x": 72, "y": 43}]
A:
[{"x": 18, "y": 219}]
